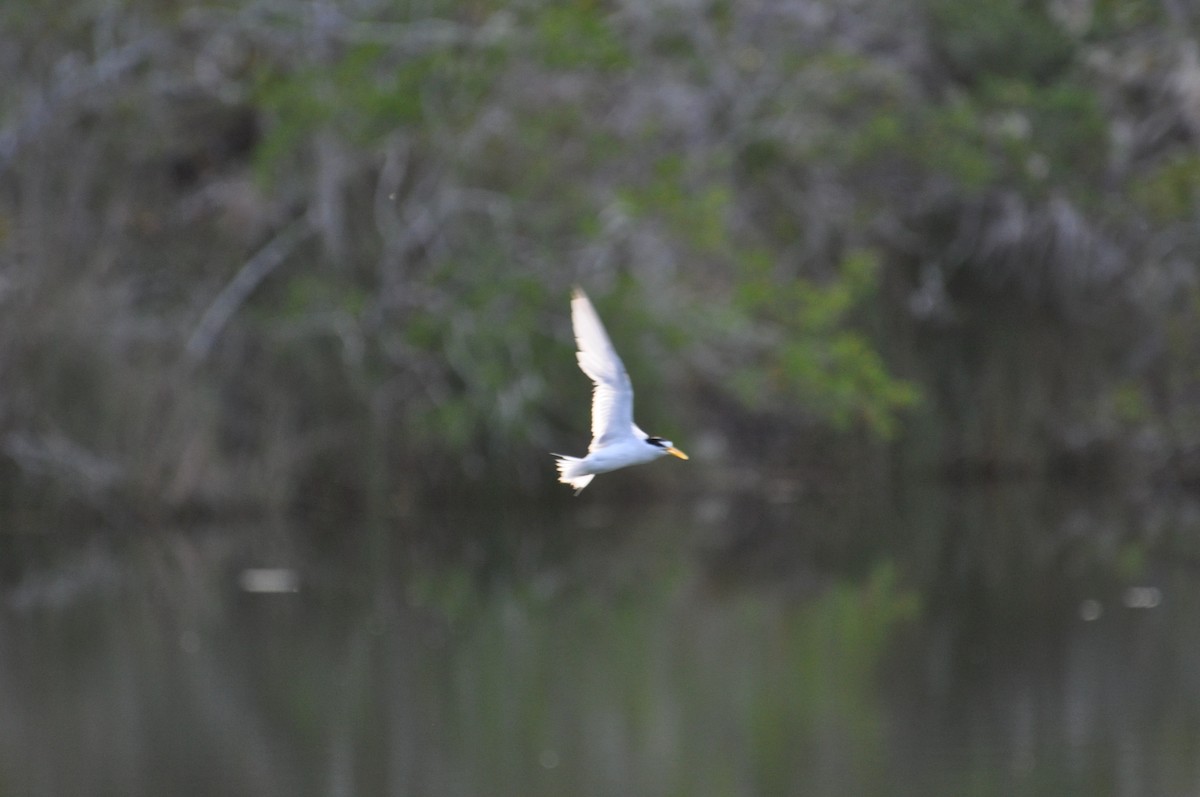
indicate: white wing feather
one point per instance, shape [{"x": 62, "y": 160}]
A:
[{"x": 612, "y": 392}]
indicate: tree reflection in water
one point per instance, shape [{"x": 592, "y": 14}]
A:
[{"x": 967, "y": 642}]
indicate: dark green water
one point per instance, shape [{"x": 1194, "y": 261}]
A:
[{"x": 1008, "y": 641}]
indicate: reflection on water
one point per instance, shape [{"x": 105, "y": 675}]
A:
[{"x": 989, "y": 642}]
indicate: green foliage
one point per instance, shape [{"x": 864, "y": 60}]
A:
[
  {"x": 814, "y": 355},
  {"x": 1061, "y": 124},
  {"x": 530, "y": 165},
  {"x": 368, "y": 92},
  {"x": 1116, "y": 17},
  {"x": 482, "y": 348},
  {"x": 309, "y": 295},
  {"x": 999, "y": 38},
  {"x": 1006, "y": 132},
  {"x": 1170, "y": 191},
  {"x": 696, "y": 214},
  {"x": 948, "y": 140},
  {"x": 1130, "y": 403},
  {"x": 577, "y": 35}
]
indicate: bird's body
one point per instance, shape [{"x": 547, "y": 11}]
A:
[{"x": 617, "y": 442}]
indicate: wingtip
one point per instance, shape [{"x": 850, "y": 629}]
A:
[{"x": 577, "y": 292}]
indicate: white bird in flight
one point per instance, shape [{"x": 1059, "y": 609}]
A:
[{"x": 617, "y": 442}]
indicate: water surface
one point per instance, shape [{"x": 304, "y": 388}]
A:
[{"x": 1015, "y": 640}]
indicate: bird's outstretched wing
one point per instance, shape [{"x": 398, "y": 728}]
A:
[{"x": 612, "y": 393}]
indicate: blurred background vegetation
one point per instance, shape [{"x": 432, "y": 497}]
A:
[{"x": 308, "y": 257}]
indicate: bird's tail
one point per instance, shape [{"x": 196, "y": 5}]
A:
[{"x": 570, "y": 471}]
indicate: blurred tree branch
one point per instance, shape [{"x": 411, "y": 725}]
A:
[{"x": 238, "y": 290}]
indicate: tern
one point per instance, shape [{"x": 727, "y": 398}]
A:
[{"x": 617, "y": 442}]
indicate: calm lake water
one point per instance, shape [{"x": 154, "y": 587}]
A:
[{"x": 1014, "y": 640}]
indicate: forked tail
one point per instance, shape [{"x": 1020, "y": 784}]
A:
[{"x": 570, "y": 471}]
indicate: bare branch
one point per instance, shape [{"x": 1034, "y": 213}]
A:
[
  {"x": 40, "y": 108},
  {"x": 234, "y": 294}
]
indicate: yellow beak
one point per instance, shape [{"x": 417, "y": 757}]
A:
[{"x": 677, "y": 452}]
